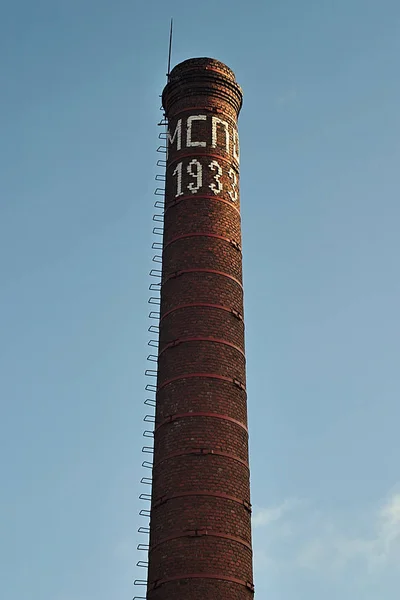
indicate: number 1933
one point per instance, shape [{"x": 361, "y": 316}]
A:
[{"x": 195, "y": 170}]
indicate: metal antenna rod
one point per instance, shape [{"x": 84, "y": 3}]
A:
[{"x": 170, "y": 49}]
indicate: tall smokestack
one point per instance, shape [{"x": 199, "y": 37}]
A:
[{"x": 200, "y": 526}]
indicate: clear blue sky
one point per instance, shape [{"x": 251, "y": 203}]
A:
[{"x": 320, "y": 133}]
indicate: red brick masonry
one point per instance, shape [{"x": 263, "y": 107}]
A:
[{"x": 200, "y": 527}]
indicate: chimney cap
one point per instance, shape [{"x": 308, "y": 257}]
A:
[{"x": 202, "y": 77}]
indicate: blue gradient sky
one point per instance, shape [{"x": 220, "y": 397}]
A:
[{"x": 320, "y": 133}]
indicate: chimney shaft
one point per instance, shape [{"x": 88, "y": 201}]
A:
[{"x": 200, "y": 527}]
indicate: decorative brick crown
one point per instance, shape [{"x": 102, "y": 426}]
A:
[{"x": 202, "y": 77}]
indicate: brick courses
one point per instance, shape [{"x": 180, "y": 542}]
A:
[{"x": 200, "y": 526}]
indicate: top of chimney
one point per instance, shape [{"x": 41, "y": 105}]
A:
[{"x": 201, "y": 77}]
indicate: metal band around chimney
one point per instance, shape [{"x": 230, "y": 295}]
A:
[
  {"x": 201, "y": 452},
  {"x": 155, "y": 584},
  {"x": 211, "y": 271},
  {"x": 179, "y": 341},
  {"x": 236, "y": 382},
  {"x": 175, "y": 417},
  {"x": 194, "y": 493},
  {"x": 185, "y": 236},
  {"x": 201, "y": 533},
  {"x": 234, "y": 312}
]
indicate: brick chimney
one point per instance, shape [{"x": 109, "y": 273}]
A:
[{"x": 200, "y": 526}]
